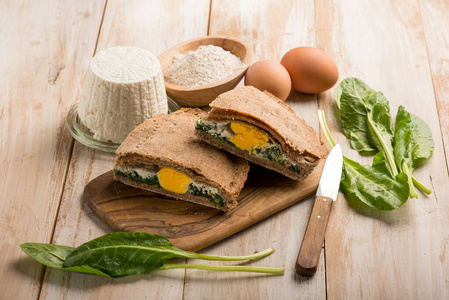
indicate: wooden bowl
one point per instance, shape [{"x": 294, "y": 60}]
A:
[{"x": 203, "y": 95}]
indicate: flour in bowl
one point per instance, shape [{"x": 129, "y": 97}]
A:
[{"x": 205, "y": 65}]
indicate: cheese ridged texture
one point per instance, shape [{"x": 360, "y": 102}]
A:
[{"x": 123, "y": 88}]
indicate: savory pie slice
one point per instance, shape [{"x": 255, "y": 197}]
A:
[
  {"x": 263, "y": 129},
  {"x": 163, "y": 155}
]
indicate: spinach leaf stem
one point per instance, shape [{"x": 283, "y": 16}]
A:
[
  {"x": 121, "y": 254},
  {"x": 254, "y": 256},
  {"x": 420, "y": 186},
  {"x": 388, "y": 154},
  {"x": 274, "y": 271},
  {"x": 406, "y": 170},
  {"x": 325, "y": 128}
]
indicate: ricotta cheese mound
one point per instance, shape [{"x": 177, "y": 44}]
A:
[{"x": 124, "y": 86}]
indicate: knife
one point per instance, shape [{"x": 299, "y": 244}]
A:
[{"x": 327, "y": 192}]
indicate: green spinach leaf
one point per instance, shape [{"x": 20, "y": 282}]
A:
[
  {"x": 139, "y": 253},
  {"x": 366, "y": 119},
  {"x": 413, "y": 144},
  {"x": 355, "y": 87},
  {"x": 355, "y": 124},
  {"x": 373, "y": 185},
  {"x": 54, "y": 256},
  {"x": 120, "y": 254}
]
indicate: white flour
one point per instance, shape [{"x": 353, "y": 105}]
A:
[{"x": 205, "y": 65}]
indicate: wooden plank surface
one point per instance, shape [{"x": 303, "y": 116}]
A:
[
  {"x": 400, "y": 49},
  {"x": 272, "y": 29},
  {"x": 151, "y": 25},
  {"x": 398, "y": 254},
  {"x": 436, "y": 23},
  {"x": 191, "y": 226},
  {"x": 44, "y": 49}
]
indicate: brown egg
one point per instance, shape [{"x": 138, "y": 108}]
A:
[
  {"x": 267, "y": 75},
  {"x": 311, "y": 70}
]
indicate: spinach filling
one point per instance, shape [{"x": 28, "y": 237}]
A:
[
  {"x": 294, "y": 168},
  {"x": 271, "y": 153},
  {"x": 214, "y": 198},
  {"x": 202, "y": 126},
  {"x": 133, "y": 175},
  {"x": 212, "y": 130}
]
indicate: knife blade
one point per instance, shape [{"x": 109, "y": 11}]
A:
[{"x": 327, "y": 192}]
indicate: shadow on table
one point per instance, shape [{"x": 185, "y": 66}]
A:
[{"x": 402, "y": 215}]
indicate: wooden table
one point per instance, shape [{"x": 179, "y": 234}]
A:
[{"x": 398, "y": 47}]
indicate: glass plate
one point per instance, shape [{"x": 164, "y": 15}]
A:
[{"x": 83, "y": 134}]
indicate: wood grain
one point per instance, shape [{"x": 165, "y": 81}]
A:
[
  {"x": 272, "y": 29},
  {"x": 189, "y": 226},
  {"x": 44, "y": 50},
  {"x": 151, "y": 25},
  {"x": 400, "y": 49},
  {"x": 434, "y": 14},
  {"x": 379, "y": 255},
  {"x": 309, "y": 253}
]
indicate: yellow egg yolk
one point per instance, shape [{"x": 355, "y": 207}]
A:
[
  {"x": 247, "y": 137},
  {"x": 173, "y": 181}
]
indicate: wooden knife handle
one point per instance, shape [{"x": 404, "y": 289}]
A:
[{"x": 309, "y": 254}]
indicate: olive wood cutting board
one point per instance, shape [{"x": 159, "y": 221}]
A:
[{"x": 190, "y": 226}]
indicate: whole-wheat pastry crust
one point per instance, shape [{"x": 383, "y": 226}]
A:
[
  {"x": 305, "y": 166},
  {"x": 231, "y": 203},
  {"x": 271, "y": 115},
  {"x": 169, "y": 141}
]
